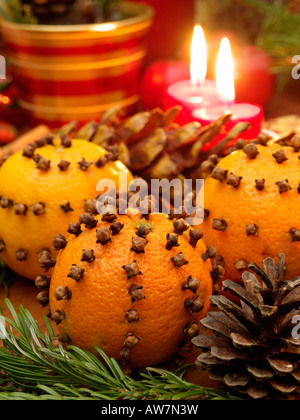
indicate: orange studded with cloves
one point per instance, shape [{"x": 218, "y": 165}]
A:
[
  {"x": 252, "y": 203},
  {"x": 137, "y": 296},
  {"x": 43, "y": 188}
]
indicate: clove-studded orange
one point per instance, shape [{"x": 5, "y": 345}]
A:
[
  {"x": 43, "y": 188},
  {"x": 132, "y": 287},
  {"x": 252, "y": 202}
]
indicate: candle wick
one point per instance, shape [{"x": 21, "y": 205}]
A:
[{"x": 228, "y": 106}]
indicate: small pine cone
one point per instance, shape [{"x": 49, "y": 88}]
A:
[{"x": 254, "y": 349}]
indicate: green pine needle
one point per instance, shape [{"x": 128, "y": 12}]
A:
[
  {"x": 12, "y": 11},
  {"x": 280, "y": 30},
  {"x": 33, "y": 369}
]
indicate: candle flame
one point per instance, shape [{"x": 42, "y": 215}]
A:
[
  {"x": 198, "y": 67},
  {"x": 225, "y": 73}
]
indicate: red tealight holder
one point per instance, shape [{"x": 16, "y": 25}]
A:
[
  {"x": 191, "y": 97},
  {"x": 240, "y": 112}
]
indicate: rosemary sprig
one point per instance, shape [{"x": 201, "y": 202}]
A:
[{"x": 34, "y": 369}]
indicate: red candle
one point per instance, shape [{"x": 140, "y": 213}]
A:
[
  {"x": 241, "y": 112},
  {"x": 197, "y": 92}
]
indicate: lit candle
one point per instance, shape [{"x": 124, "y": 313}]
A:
[
  {"x": 241, "y": 112},
  {"x": 197, "y": 92}
]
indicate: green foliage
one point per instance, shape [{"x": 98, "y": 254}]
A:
[
  {"x": 279, "y": 32},
  {"x": 11, "y": 10},
  {"x": 32, "y": 368}
]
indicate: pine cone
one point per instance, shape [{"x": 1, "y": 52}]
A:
[
  {"x": 256, "y": 347},
  {"x": 152, "y": 146}
]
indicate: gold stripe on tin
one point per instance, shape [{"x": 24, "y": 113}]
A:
[
  {"x": 74, "y": 66},
  {"x": 54, "y": 113},
  {"x": 71, "y": 101}
]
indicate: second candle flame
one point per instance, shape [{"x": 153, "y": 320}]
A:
[{"x": 225, "y": 73}]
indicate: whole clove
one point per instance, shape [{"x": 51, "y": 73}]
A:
[
  {"x": 29, "y": 150},
  {"x": 195, "y": 237},
  {"x": 219, "y": 225},
  {"x": 21, "y": 255},
  {"x": 58, "y": 316},
  {"x": 251, "y": 230},
  {"x": 88, "y": 255},
  {"x": 66, "y": 141},
  {"x": 2, "y": 246},
  {"x": 59, "y": 242},
  {"x": 251, "y": 150},
  {"x": 62, "y": 293},
  {"x": 132, "y": 316},
  {"x": 260, "y": 184},
  {"x": 132, "y": 270},
  {"x": 6, "y": 203},
  {"x": 74, "y": 229},
  {"x": 84, "y": 165},
  {"x": 38, "y": 209},
  {"x": 138, "y": 245},
  {"x": 180, "y": 226},
  {"x": 211, "y": 252},
  {"x": 172, "y": 241},
  {"x": 234, "y": 180},
  {"x": 219, "y": 174},
  {"x": 20, "y": 209},
  {"x": 45, "y": 260},
  {"x": 179, "y": 260},
  {"x": 66, "y": 207},
  {"x": 76, "y": 273},
  {"x": 43, "y": 298},
  {"x": 295, "y": 234},
  {"x": 284, "y": 186},
  {"x": 116, "y": 227},
  {"x": 88, "y": 220},
  {"x": 192, "y": 284},
  {"x": 91, "y": 206},
  {"x": 42, "y": 282},
  {"x": 103, "y": 235},
  {"x": 136, "y": 293},
  {"x": 280, "y": 156},
  {"x": 63, "y": 165},
  {"x": 194, "y": 305}
]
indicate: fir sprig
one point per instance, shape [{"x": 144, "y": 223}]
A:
[
  {"x": 280, "y": 30},
  {"x": 32, "y": 368},
  {"x": 12, "y": 11}
]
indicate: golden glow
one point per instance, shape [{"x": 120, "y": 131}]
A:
[
  {"x": 225, "y": 73},
  {"x": 4, "y": 100},
  {"x": 104, "y": 27},
  {"x": 198, "y": 67}
]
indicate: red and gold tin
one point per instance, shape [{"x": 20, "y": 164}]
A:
[{"x": 79, "y": 71}]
